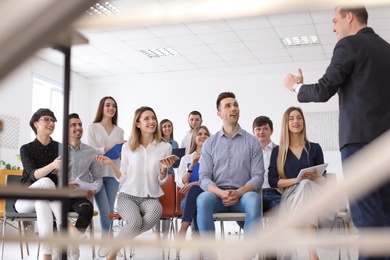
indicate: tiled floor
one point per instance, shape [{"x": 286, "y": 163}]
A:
[{"x": 12, "y": 250}]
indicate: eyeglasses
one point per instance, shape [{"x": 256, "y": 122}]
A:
[{"x": 48, "y": 120}]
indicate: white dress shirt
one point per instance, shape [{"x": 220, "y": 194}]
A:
[
  {"x": 184, "y": 161},
  {"x": 267, "y": 157}
]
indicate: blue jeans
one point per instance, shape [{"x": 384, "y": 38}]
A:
[
  {"x": 208, "y": 203},
  {"x": 373, "y": 210},
  {"x": 188, "y": 205},
  {"x": 105, "y": 200},
  {"x": 271, "y": 199}
]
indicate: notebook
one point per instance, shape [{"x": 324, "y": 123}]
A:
[{"x": 180, "y": 153}]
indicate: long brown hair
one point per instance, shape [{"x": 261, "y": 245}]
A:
[
  {"x": 135, "y": 136},
  {"x": 161, "y": 130},
  {"x": 193, "y": 137},
  {"x": 99, "y": 112},
  {"x": 285, "y": 140}
]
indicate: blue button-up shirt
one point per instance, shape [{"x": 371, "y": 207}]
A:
[{"x": 231, "y": 162}]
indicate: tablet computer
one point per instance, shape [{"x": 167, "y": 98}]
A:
[{"x": 320, "y": 171}]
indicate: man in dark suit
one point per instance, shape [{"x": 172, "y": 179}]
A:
[{"x": 359, "y": 73}]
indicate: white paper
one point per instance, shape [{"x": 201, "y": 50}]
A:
[
  {"x": 83, "y": 185},
  {"x": 320, "y": 171}
]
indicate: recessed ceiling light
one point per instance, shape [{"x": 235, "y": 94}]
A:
[
  {"x": 300, "y": 41},
  {"x": 103, "y": 9},
  {"x": 162, "y": 52}
]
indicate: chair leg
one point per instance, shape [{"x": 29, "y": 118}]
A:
[
  {"x": 20, "y": 235},
  {"x": 25, "y": 230},
  {"x": 2, "y": 240},
  {"x": 92, "y": 236}
]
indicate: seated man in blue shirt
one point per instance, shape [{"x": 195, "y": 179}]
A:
[{"x": 231, "y": 171}]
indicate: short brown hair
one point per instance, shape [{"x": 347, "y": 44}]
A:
[
  {"x": 224, "y": 95},
  {"x": 40, "y": 112},
  {"x": 359, "y": 11}
]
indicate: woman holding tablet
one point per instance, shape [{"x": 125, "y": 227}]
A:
[{"x": 294, "y": 153}]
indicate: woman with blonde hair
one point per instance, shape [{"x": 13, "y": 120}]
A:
[
  {"x": 141, "y": 173},
  {"x": 294, "y": 153},
  {"x": 187, "y": 178}
]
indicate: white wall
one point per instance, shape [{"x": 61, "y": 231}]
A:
[
  {"x": 259, "y": 91},
  {"x": 16, "y": 93}
]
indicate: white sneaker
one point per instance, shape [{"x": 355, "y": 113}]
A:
[
  {"x": 103, "y": 250},
  {"x": 74, "y": 253}
]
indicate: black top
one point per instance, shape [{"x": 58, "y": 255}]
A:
[{"x": 35, "y": 156}]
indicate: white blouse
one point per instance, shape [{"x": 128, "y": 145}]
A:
[
  {"x": 140, "y": 169},
  {"x": 98, "y": 138},
  {"x": 185, "y": 160}
]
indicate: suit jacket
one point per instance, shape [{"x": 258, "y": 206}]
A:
[{"x": 360, "y": 73}]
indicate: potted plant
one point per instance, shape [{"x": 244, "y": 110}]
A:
[{"x": 7, "y": 166}]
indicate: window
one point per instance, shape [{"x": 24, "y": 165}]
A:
[{"x": 48, "y": 93}]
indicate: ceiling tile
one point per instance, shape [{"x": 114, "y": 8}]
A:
[
  {"x": 265, "y": 44},
  {"x": 182, "y": 40},
  {"x": 146, "y": 62},
  {"x": 210, "y": 65},
  {"x": 223, "y": 37},
  {"x": 147, "y": 44},
  {"x": 171, "y": 60},
  {"x": 133, "y": 34},
  {"x": 243, "y": 62},
  {"x": 290, "y": 19},
  {"x": 97, "y": 58},
  {"x": 257, "y": 34},
  {"x": 208, "y": 27},
  {"x": 322, "y": 16},
  {"x": 328, "y": 39},
  {"x": 113, "y": 47},
  {"x": 275, "y": 60},
  {"x": 151, "y": 69},
  {"x": 181, "y": 67},
  {"x": 228, "y": 47},
  {"x": 101, "y": 37},
  {"x": 237, "y": 56},
  {"x": 271, "y": 53},
  {"x": 129, "y": 55},
  {"x": 307, "y": 50},
  {"x": 324, "y": 28},
  {"x": 299, "y": 30},
  {"x": 192, "y": 50},
  {"x": 380, "y": 24},
  {"x": 84, "y": 50},
  {"x": 204, "y": 58},
  {"x": 170, "y": 30},
  {"x": 378, "y": 11},
  {"x": 309, "y": 57},
  {"x": 249, "y": 23}
]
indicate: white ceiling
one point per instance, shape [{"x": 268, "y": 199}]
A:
[{"x": 247, "y": 41}]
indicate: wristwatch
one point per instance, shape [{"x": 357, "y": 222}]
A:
[{"x": 188, "y": 170}]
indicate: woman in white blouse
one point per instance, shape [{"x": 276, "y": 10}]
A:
[
  {"x": 141, "y": 173},
  {"x": 103, "y": 134},
  {"x": 187, "y": 178}
]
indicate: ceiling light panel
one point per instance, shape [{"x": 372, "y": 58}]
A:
[
  {"x": 300, "y": 41},
  {"x": 161, "y": 52},
  {"x": 103, "y": 9}
]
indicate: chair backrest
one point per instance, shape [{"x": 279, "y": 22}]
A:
[
  {"x": 168, "y": 199},
  {"x": 9, "y": 203}
]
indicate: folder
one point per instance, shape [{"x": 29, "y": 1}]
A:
[{"x": 115, "y": 152}]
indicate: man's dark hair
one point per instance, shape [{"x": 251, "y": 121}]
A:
[
  {"x": 195, "y": 113},
  {"x": 224, "y": 95},
  {"x": 359, "y": 11},
  {"x": 73, "y": 115},
  {"x": 262, "y": 120}
]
